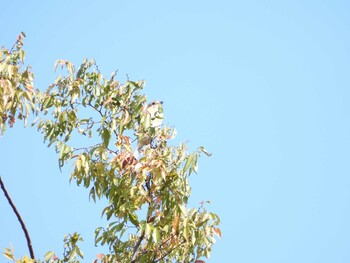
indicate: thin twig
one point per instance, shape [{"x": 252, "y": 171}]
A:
[{"x": 29, "y": 242}]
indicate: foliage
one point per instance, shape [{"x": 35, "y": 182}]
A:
[
  {"x": 71, "y": 251},
  {"x": 16, "y": 85},
  {"x": 122, "y": 153}
]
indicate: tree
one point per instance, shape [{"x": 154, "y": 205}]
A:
[{"x": 121, "y": 152}]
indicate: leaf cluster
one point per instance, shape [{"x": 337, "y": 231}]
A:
[
  {"x": 104, "y": 129},
  {"x": 17, "y": 99}
]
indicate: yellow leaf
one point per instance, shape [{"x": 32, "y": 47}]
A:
[
  {"x": 176, "y": 225},
  {"x": 183, "y": 209},
  {"x": 188, "y": 163},
  {"x": 126, "y": 118},
  {"x": 156, "y": 235},
  {"x": 49, "y": 255},
  {"x": 8, "y": 255}
]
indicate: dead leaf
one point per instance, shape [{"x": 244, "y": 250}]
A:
[
  {"x": 176, "y": 225},
  {"x": 217, "y": 231},
  {"x": 108, "y": 100}
]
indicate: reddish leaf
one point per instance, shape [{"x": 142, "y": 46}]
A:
[
  {"x": 128, "y": 160},
  {"x": 108, "y": 100},
  {"x": 29, "y": 88},
  {"x": 217, "y": 231},
  {"x": 12, "y": 121}
]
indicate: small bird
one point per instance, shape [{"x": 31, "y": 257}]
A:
[{"x": 155, "y": 109}]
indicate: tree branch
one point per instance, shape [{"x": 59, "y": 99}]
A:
[
  {"x": 137, "y": 246},
  {"x": 29, "y": 242},
  {"x": 133, "y": 258}
]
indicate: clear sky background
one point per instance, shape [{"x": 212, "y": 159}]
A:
[{"x": 263, "y": 85}]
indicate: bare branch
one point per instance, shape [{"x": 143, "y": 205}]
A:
[
  {"x": 133, "y": 259},
  {"x": 29, "y": 242}
]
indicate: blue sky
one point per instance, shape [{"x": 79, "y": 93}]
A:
[{"x": 263, "y": 85}]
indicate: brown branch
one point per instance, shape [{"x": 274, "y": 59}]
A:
[
  {"x": 29, "y": 242},
  {"x": 138, "y": 243},
  {"x": 133, "y": 258}
]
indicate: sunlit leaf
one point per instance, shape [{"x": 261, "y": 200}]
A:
[
  {"x": 130, "y": 161},
  {"x": 147, "y": 121},
  {"x": 202, "y": 149},
  {"x": 183, "y": 209},
  {"x": 133, "y": 219},
  {"x": 188, "y": 163},
  {"x": 148, "y": 229},
  {"x": 49, "y": 255},
  {"x": 156, "y": 235},
  {"x": 8, "y": 255},
  {"x": 21, "y": 55}
]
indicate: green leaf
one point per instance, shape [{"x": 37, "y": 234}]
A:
[
  {"x": 144, "y": 258},
  {"x": 62, "y": 150},
  {"x": 49, "y": 255},
  {"x": 146, "y": 121},
  {"x": 148, "y": 229},
  {"x": 185, "y": 233},
  {"x": 72, "y": 254},
  {"x": 103, "y": 172},
  {"x": 92, "y": 194},
  {"x": 156, "y": 235},
  {"x": 121, "y": 128},
  {"x": 21, "y": 55},
  {"x": 202, "y": 149},
  {"x": 188, "y": 163},
  {"x": 133, "y": 219},
  {"x": 9, "y": 255},
  {"x": 80, "y": 253},
  {"x": 183, "y": 209},
  {"x": 106, "y": 136},
  {"x": 118, "y": 227},
  {"x": 78, "y": 164}
]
